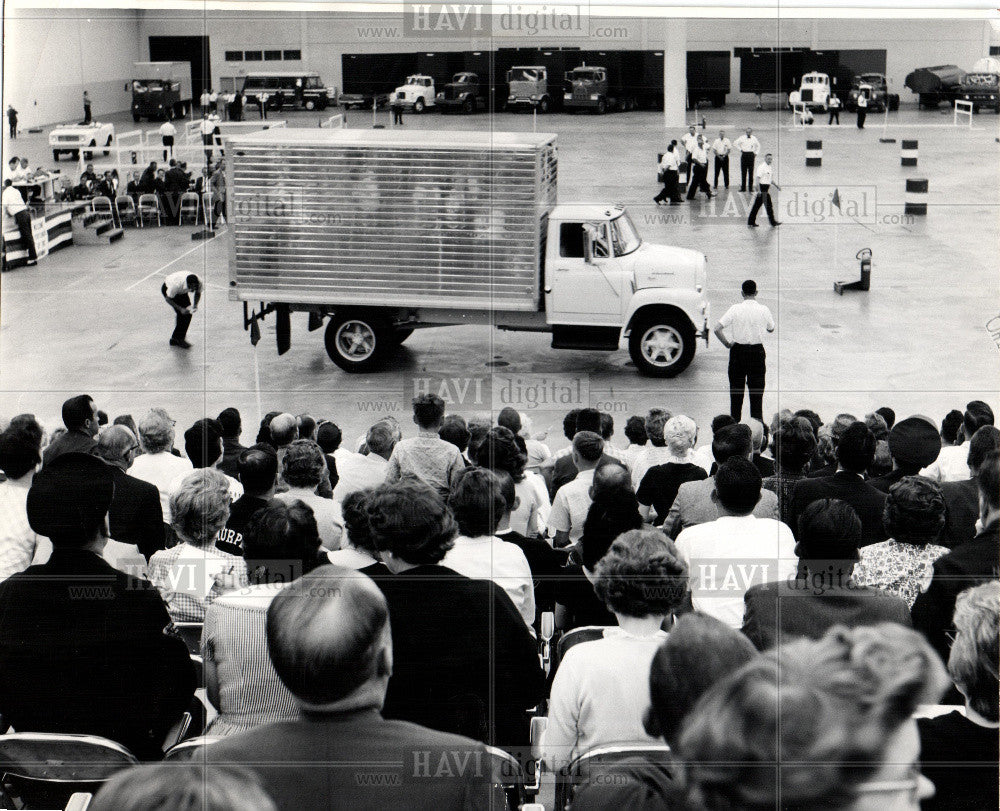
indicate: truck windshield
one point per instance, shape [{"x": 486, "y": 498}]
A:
[
  {"x": 144, "y": 86},
  {"x": 313, "y": 82},
  {"x": 624, "y": 237},
  {"x": 523, "y": 75},
  {"x": 584, "y": 75},
  {"x": 980, "y": 79}
]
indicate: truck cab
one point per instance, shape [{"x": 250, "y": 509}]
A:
[
  {"x": 875, "y": 89},
  {"x": 416, "y": 93},
  {"x": 813, "y": 92},
  {"x": 463, "y": 93},
  {"x": 981, "y": 89},
  {"x": 529, "y": 86},
  {"x": 587, "y": 89}
]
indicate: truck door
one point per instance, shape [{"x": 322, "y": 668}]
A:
[{"x": 584, "y": 277}]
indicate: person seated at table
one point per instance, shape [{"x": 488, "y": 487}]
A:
[
  {"x": 147, "y": 183},
  {"x": 10, "y": 173},
  {"x": 87, "y": 186},
  {"x": 133, "y": 188}
]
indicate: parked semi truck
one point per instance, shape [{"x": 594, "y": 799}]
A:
[
  {"x": 875, "y": 89},
  {"x": 382, "y": 232},
  {"x": 935, "y": 84},
  {"x": 161, "y": 90},
  {"x": 980, "y": 85},
  {"x": 528, "y": 86},
  {"x": 463, "y": 92},
  {"x": 598, "y": 88}
]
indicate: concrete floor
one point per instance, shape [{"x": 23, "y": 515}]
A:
[{"x": 91, "y": 318}]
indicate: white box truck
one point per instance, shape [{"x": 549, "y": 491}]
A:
[{"x": 381, "y": 232}]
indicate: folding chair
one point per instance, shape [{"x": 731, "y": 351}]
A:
[
  {"x": 188, "y": 207},
  {"x": 102, "y": 205},
  {"x": 189, "y": 749},
  {"x": 149, "y": 208},
  {"x": 604, "y": 762},
  {"x": 207, "y": 214},
  {"x": 127, "y": 211},
  {"x": 585, "y": 633},
  {"x": 507, "y": 775},
  {"x": 190, "y": 632},
  {"x": 43, "y": 769}
]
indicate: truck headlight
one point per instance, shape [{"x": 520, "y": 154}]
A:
[
  {"x": 593, "y": 97},
  {"x": 440, "y": 95},
  {"x": 567, "y": 96},
  {"x": 534, "y": 97}
]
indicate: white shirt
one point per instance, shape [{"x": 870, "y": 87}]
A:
[
  {"x": 747, "y": 322},
  {"x": 205, "y": 99},
  {"x": 698, "y": 154},
  {"x": 721, "y": 146},
  {"x": 167, "y": 129},
  {"x": 12, "y": 201},
  {"x": 833, "y": 102},
  {"x": 600, "y": 694},
  {"x": 764, "y": 173},
  {"x": 207, "y": 126},
  {"x": 160, "y": 469},
  {"x": 571, "y": 505},
  {"x": 17, "y": 539},
  {"x": 670, "y": 161},
  {"x": 532, "y": 514},
  {"x": 729, "y": 555},
  {"x": 703, "y": 457},
  {"x": 689, "y": 141},
  {"x": 177, "y": 283},
  {"x": 489, "y": 558},
  {"x": 538, "y": 452},
  {"x": 357, "y": 472},
  {"x": 329, "y": 518},
  {"x": 213, "y": 97},
  {"x": 951, "y": 465},
  {"x": 862, "y": 101},
  {"x": 747, "y": 143}
]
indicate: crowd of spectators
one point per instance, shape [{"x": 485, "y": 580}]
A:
[{"x": 389, "y": 600}]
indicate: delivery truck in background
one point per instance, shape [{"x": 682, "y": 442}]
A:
[
  {"x": 161, "y": 90},
  {"x": 378, "y": 233},
  {"x": 600, "y": 88}
]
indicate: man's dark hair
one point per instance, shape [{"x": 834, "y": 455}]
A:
[
  {"x": 635, "y": 430},
  {"x": 749, "y": 287},
  {"x": 412, "y": 522},
  {"x": 510, "y": 419},
  {"x": 589, "y": 445},
  {"x": 985, "y": 441},
  {"x": 589, "y": 419},
  {"x": 77, "y": 410},
  {"x": 721, "y": 421},
  {"x": 794, "y": 445},
  {"x": 69, "y": 499},
  {"x": 455, "y": 430},
  {"x": 814, "y": 418},
  {"x": 323, "y": 635},
  {"x": 730, "y": 441},
  {"x": 203, "y": 442},
  {"x": 507, "y": 488},
  {"x": 232, "y": 425},
  {"x": 193, "y": 281},
  {"x": 607, "y": 426},
  {"x": 18, "y": 453},
  {"x": 856, "y": 448},
  {"x": 977, "y": 414},
  {"x": 950, "y": 424},
  {"x": 102, "y": 418},
  {"x": 257, "y": 468},
  {"x": 737, "y": 485},
  {"x": 264, "y": 431},
  {"x": 499, "y": 451},
  {"x": 27, "y": 425},
  {"x": 888, "y": 415},
  {"x": 281, "y": 542},
  {"x": 988, "y": 479},
  {"x": 329, "y": 436},
  {"x": 569, "y": 423},
  {"x": 829, "y": 529},
  {"x": 477, "y": 502},
  {"x": 428, "y": 410},
  {"x": 356, "y": 521},
  {"x": 307, "y": 426}
]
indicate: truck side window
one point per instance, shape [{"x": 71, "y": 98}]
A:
[{"x": 571, "y": 240}]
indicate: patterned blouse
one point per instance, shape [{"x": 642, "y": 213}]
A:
[{"x": 897, "y": 568}]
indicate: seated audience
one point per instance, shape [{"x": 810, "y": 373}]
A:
[
  {"x": 758, "y": 440},
  {"x": 455, "y": 430},
  {"x": 426, "y": 457},
  {"x": 564, "y": 469},
  {"x": 913, "y": 444},
  {"x": 534, "y": 447},
  {"x": 499, "y": 451},
  {"x": 819, "y": 724},
  {"x": 281, "y": 545},
  {"x": 79, "y": 415},
  {"x": 658, "y": 487},
  {"x": 828, "y": 437},
  {"x": 83, "y": 647},
  {"x": 913, "y": 519},
  {"x": 257, "y": 469},
  {"x": 135, "y": 516},
  {"x": 952, "y": 463},
  {"x": 157, "y": 464},
  {"x": 572, "y": 501},
  {"x": 329, "y": 639},
  {"x": 358, "y": 549},
  {"x": 362, "y": 472},
  {"x": 962, "y": 497},
  {"x": 193, "y": 573},
  {"x": 703, "y": 453},
  {"x": 203, "y": 446},
  {"x": 601, "y": 689},
  {"x": 183, "y": 786},
  {"x": 638, "y": 440},
  {"x": 970, "y": 739},
  {"x": 657, "y": 452},
  {"x": 794, "y": 444},
  {"x": 694, "y": 504},
  {"x": 303, "y": 468},
  {"x": 855, "y": 451},
  {"x": 736, "y": 550},
  {"x": 19, "y": 459},
  {"x": 463, "y": 659},
  {"x": 969, "y": 565},
  {"x": 232, "y": 426},
  {"x": 822, "y": 593}
]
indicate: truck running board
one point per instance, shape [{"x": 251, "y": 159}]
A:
[{"x": 585, "y": 337}]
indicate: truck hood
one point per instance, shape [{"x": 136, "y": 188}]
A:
[{"x": 655, "y": 265}]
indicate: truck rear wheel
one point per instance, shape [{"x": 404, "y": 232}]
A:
[
  {"x": 357, "y": 342},
  {"x": 418, "y": 106},
  {"x": 661, "y": 344},
  {"x": 469, "y": 106}
]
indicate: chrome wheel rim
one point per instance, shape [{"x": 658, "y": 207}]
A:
[
  {"x": 661, "y": 345},
  {"x": 355, "y": 340}
]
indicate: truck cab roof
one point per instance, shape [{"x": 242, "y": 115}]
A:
[
  {"x": 815, "y": 78},
  {"x": 464, "y": 78},
  {"x": 586, "y": 211}
]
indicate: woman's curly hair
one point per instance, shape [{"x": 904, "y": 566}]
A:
[
  {"x": 411, "y": 521},
  {"x": 915, "y": 511},
  {"x": 642, "y": 575},
  {"x": 499, "y": 451},
  {"x": 303, "y": 463}
]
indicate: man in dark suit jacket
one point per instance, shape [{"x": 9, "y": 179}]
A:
[
  {"x": 80, "y": 418},
  {"x": 970, "y": 564},
  {"x": 962, "y": 498},
  {"x": 83, "y": 646},
  {"x": 135, "y": 516},
  {"x": 822, "y": 594},
  {"x": 232, "y": 427},
  {"x": 855, "y": 452},
  {"x": 330, "y": 643}
]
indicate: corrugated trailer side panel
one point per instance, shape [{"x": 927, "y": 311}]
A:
[{"x": 392, "y": 224}]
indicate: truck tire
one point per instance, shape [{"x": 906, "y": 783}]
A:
[
  {"x": 469, "y": 106},
  {"x": 107, "y": 150},
  {"x": 55, "y": 155},
  {"x": 543, "y": 104},
  {"x": 357, "y": 342},
  {"x": 136, "y": 117},
  {"x": 661, "y": 344},
  {"x": 310, "y": 104},
  {"x": 602, "y": 106},
  {"x": 88, "y": 155},
  {"x": 418, "y": 106}
]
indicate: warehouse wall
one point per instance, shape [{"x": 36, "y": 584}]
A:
[{"x": 51, "y": 56}]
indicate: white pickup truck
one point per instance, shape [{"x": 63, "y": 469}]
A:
[
  {"x": 73, "y": 138},
  {"x": 416, "y": 94},
  {"x": 382, "y": 232}
]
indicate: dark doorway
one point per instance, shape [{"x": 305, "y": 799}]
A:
[{"x": 185, "y": 49}]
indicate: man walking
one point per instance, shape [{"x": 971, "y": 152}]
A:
[
  {"x": 14, "y": 207},
  {"x": 833, "y": 105},
  {"x": 698, "y": 163},
  {"x": 721, "y": 147},
  {"x": 746, "y": 322},
  {"x": 177, "y": 289},
  {"x": 689, "y": 141},
  {"x": 12, "y": 121},
  {"x": 87, "y": 118},
  {"x": 668, "y": 169},
  {"x": 764, "y": 183},
  {"x": 749, "y": 147},
  {"x": 862, "y": 110}
]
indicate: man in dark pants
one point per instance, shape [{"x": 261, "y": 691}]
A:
[
  {"x": 763, "y": 198},
  {"x": 698, "y": 167},
  {"x": 177, "y": 290},
  {"x": 87, "y": 118},
  {"x": 746, "y": 322},
  {"x": 749, "y": 146},
  {"x": 12, "y": 121},
  {"x": 833, "y": 105},
  {"x": 862, "y": 110},
  {"x": 15, "y": 208}
]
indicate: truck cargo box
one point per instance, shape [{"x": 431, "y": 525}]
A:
[
  {"x": 389, "y": 218},
  {"x": 935, "y": 79}
]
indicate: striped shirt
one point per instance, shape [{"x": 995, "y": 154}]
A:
[
  {"x": 234, "y": 640},
  {"x": 189, "y": 579}
]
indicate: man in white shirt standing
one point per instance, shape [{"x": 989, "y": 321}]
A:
[
  {"x": 15, "y": 209},
  {"x": 862, "y": 103},
  {"x": 765, "y": 179},
  {"x": 177, "y": 289},
  {"x": 167, "y": 133},
  {"x": 746, "y": 324},
  {"x": 737, "y": 550},
  {"x": 749, "y": 147},
  {"x": 721, "y": 147}
]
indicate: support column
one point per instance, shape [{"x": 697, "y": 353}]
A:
[{"x": 675, "y": 74}]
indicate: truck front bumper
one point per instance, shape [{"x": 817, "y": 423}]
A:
[{"x": 450, "y": 104}]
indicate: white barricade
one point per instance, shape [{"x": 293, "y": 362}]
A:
[
  {"x": 963, "y": 108},
  {"x": 334, "y": 122},
  {"x": 800, "y": 115}
]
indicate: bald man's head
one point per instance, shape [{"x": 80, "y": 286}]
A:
[
  {"x": 284, "y": 429},
  {"x": 116, "y": 445},
  {"x": 328, "y": 636}
]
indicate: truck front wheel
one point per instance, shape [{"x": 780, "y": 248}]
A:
[
  {"x": 357, "y": 343},
  {"x": 661, "y": 344},
  {"x": 418, "y": 106}
]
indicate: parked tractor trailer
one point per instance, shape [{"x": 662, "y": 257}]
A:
[{"x": 378, "y": 233}]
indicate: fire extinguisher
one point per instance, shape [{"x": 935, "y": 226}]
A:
[{"x": 864, "y": 283}]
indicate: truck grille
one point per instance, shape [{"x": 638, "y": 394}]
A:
[
  {"x": 401, "y": 96},
  {"x": 67, "y": 139},
  {"x": 806, "y": 95}
]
